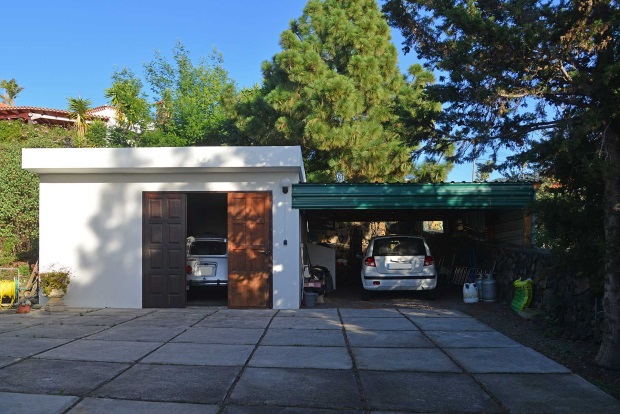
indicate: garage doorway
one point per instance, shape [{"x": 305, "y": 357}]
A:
[{"x": 245, "y": 218}]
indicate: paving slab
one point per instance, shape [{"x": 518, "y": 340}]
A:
[
  {"x": 361, "y": 324},
  {"x": 4, "y": 361},
  {"x": 138, "y": 333},
  {"x": 548, "y": 393},
  {"x": 293, "y": 387},
  {"x": 56, "y": 377},
  {"x": 370, "y": 313},
  {"x": 331, "y": 313},
  {"x": 15, "y": 403},
  {"x": 425, "y": 392},
  {"x": 200, "y": 354},
  {"x": 54, "y": 330},
  {"x": 132, "y": 312},
  {"x": 8, "y": 323},
  {"x": 304, "y": 337},
  {"x": 270, "y": 409},
  {"x": 12, "y": 346},
  {"x": 107, "y": 406},
  {"x": 103, "y": 320},
  {"x": 504, "y": 360},
  {"x": 105, "y": 351},
  {"x": 195, "y": 312},
  {"x": 301, "y": 357},
  {"x": 226, "y": 322},
  {"x": 232, "y": 336},
  {"x": 472, "y": 339},
  {"x": 449, "y": 324},
  {"x": 165, "y": 321},
  {"x": 242, "y": 313},
  {"x": 389, "y": 339},
  {"x": 404, "y": 359},
  {"x": 171, "y": 383},
  {"x": 433, "y": 313},
  {"x": 305, "y": 323}
]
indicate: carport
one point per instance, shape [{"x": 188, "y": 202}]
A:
[{"x": 493, "y": 212}]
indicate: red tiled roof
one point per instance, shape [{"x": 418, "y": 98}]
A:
[
  {"x": 99, "y": 108},
  {"x": 16, "y": 109}
]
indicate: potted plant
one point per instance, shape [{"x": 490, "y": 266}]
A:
[
  {"x": 24, "y": 306},
  {"x": 54, "y": 283}
]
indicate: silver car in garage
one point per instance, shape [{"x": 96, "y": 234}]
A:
[
  {"x": 398, "y": 263},
  {"x": 207, "y": 261}
]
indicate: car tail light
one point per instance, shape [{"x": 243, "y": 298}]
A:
[
  {"x": 428, "y": 261},
  {"x": 188, "y": 269},
  {"x": 370, "y": 262}
]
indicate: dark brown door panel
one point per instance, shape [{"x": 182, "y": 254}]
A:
[{"x": 163, "y": 250}]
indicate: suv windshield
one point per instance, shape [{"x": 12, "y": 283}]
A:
[
  {"x": 208, "y": 247},
  {"x": 399, "y": 246}
]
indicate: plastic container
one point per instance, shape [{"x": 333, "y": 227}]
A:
[
  {"x": 310, "y": 299},
  {"x": 489, "y": 290},
  {"x": 470, "y": 293}
]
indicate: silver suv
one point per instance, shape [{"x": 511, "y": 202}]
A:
[
  {"x": 398, "y": 263},
  {"x": 207, "y": 261}
]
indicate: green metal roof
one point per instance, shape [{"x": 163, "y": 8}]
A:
[{"x": 310, "y": 196}]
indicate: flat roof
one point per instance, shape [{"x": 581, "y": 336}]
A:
[
  {"x": 163, "y": 160},
  {"x": 410, "y": 196}
]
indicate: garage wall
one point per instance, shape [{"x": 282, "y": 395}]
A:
[{"x": 93, "y": 224}]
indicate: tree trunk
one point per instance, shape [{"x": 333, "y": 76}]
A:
[{"x": 609, "y": 352}]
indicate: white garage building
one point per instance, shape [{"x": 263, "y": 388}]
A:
[{"x": 119, "y": 218}]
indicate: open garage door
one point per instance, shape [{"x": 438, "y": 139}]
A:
[
  {"x": 249, "y": 250},
  {"x": 163, "y": 255}
]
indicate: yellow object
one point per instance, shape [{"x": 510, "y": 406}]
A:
[{"x": 7, "y": 289}]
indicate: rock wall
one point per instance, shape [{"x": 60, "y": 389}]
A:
[{"x": 570, "y": 306}]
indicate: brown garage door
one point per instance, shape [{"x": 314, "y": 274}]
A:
[
  {"x": 163, "y": 250},
  {"x": 249, "y": 250}
]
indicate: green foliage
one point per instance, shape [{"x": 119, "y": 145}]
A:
[
  {"x": 189, "y": 99},
  {"x": 55, "y": 278},
  {"x": 11, "y": 90},
  {"x": 96, "y": 134},
  {"x": 336, "y": 90},
  {"x": 78, "y": 108},
  {"x": 133, "y": 112},
  {"x": 19, "y": 189},
  {"x": 511, "y": 66}
]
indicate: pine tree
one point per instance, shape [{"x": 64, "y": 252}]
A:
[{"x": 336, "y": 90}]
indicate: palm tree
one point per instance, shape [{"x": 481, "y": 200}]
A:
[
  {"x": 78, "y": 109},
  {"x": 12, "y": 89}
]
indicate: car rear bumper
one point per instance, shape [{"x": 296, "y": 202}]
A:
[
  {"x": 400, "y": 283},
  {"x": 207, "y": 282}
]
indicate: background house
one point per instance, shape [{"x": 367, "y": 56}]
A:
[{"x": 49, "y": 116}]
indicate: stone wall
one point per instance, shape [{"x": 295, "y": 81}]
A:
[{"x": 570, "y": 307}]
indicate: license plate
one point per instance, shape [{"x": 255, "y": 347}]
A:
[
  {"x": 206, "y": 270},
  {"x": 398, "y": 266}
]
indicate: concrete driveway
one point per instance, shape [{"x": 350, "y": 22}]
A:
[{"x": 216, "y": 360}]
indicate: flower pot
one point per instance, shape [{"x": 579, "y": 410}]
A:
[
  {"x": 56, "y": 293},
  {"x": 56, "y": 302},
  {"x": 23, "y": 308}
]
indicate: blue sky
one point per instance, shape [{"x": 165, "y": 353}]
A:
[{"x": 62, "y": 49}]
